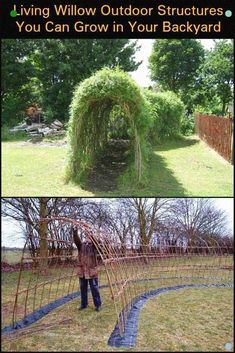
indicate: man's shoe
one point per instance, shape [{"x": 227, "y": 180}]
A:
[
  {"x": 82, "y": 307},
  {"x": 97, "y": 308}
]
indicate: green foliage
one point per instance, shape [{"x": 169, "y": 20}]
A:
[
  {"x": 6, "y": 135},
  {"x": 202, "y": 79},
  {"x": 187, "y": 125},
  {"x": 65, "y": 68},
  {"x": 13, "y": 109},
  {"x": 174, "y": 63},
  {"x": 17, "y": 72},
  {"x": 118, "y": 124},
  {"x": 90, "y": 112},
  {"x": 45, "y": 71},
  {"x": 167, "y": 111},
  {"x": 217, "y": 76},
  {"x": 209, "y": 106}
]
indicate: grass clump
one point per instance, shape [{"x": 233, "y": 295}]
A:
[{"x": 6, "y": 135}]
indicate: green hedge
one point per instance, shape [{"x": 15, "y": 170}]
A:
[{"x": 168, "y": 112}]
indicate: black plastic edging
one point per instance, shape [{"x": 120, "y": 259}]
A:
[
  {"x": 129, "y": 336},
  {"x": 38, "y": 314}
]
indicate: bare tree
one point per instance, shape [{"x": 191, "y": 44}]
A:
[
  {"x": 123, "y": 225},
  {"x": 129, "y": 221},
  {"x": 198, "y": 217},
  {"x": 147, "y": 213},
  {"x": 43, "y": 246},
  {"x": 29, "y": 211}
]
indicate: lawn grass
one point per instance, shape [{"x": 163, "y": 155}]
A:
[
  {"x": 19, "y": 135},
  {"x": 186, "y": 320},
  {"x": 191, "y": 168},
  {"x": 186, "y": 167},
  {"x": 11, "y": 256},
  {"x": 34, "y": 171}
]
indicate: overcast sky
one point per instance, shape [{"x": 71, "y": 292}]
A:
[
  {"x": 12, "y": 233},
  {"x": 142, "y": 74}
]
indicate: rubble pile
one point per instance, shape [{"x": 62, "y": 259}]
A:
[{"x": 41, "y": 129}]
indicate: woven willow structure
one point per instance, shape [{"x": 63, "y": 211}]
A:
[
  {"x": 90, "y": 118},
  {"x": 130, "y": 270}
]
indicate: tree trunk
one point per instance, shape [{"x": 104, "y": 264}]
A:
[
  {"x": 223, "y": 106},
  {"x": 43, "y": 236}
]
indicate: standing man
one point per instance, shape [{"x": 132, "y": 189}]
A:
[{"x": 87, "y": 270}]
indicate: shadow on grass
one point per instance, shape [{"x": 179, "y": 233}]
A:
[
  {"x": 180, "y": 142},
  {"x": 160, "y": 182}
]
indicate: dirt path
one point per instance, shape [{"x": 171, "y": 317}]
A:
[{"x": 112, "y": 163}]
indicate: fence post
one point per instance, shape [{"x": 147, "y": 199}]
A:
[
  {"x": 217, "y": 132},
  {"x": 232, "y": 137}
]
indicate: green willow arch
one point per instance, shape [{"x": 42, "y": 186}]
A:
[{"x": 90, "y": 112}]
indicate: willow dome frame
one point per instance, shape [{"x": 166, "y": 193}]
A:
[{"x": 130, "y": 271}]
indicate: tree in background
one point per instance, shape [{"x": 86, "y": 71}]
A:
[
  {"x": 217, "y": 77},
  {"x": 47, "y": 71},
  {"x": 198, "y": 217},
  {"x": 148, "y": 213},
  {"x": 28, "y": 212},
  {"x": 17, "y": 75},
  {"x": 203, "y": 79},
  {"x": 174, "y": 65},
  {"x": 43, "y": 243},
  {"x": 136, "y": 222}
]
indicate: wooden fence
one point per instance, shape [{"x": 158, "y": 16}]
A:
[{"x": 217, "y": 132}]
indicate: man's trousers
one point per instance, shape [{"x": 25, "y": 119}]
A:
[{"x": 93, "y": 282}]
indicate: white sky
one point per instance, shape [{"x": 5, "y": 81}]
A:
[
  {"x": 227, "y": 205},
  {"x": 12, "y": 233},
  {"x": 142, "y": 74}
]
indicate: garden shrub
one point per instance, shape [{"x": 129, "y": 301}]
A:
[
  {"x": 13, "y": 108},
  {"x": 93, "y": 107},
  {"x": 188, "y": 125},
  {"x": 167, "y": 112}
]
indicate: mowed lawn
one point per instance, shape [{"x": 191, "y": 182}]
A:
[
  {"x": 195, "y": 319},
  {"x": 186, "y": 320},
  {"x": 186, "y": 167}
]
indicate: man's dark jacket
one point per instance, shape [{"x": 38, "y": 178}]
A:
[{"x": 87, "y": 255}]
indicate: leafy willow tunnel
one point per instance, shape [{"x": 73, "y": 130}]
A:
[{"x": 97, "y": 102}]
